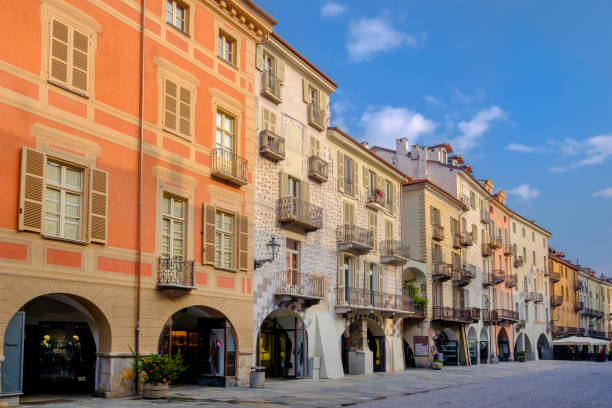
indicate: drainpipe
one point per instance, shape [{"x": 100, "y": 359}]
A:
[{"x": 140, "y": 165}]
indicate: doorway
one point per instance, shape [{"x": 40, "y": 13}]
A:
[
  {"x": 484, "y": 346},
  {"x": 283, "y": 346},
  {"x": 503, "y": 345}
]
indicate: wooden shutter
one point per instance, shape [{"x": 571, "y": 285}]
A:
[
  {"x": 185, "y": 112},
  {"x": 259, "y": 57},
  {"x": 98, "y": 206},
  {"x": 305, "y": 86},
  {"x": 283, "y": 183},
  {"x": 340, "y": 270},
  {"x": 373, "y": 227},
  {"x": 60, "y": 43},
  {"x": 394, "y": 199},
  {"x": 170, "y": 105},
  {"x": 305, "y": 191},
  {"x": 265, "y": 119},
  {"x": 366, "y": 275},
  {"x": 209, "y": 213},
  {"x": 272, "y": 122},
  {"x": 280, "y": 70},
  {"x": 340, "y": 172},
  {"x": 381, "y": 278},
  {"x": 31, "y": 190},
  {"x": 243, "y": 243},
  {"x": 365, "y": 177},
  {"x": 80, "y": 51},
  {"x": 355, "y": 179},
  {"x": 388, "y": 230}
]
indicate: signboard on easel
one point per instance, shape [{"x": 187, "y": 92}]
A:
[{"x": 421, "y": 346}]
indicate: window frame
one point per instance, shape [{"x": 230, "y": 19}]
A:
[
  {"x": 63, "y": 189},
  {"x": 172, "y": 218},
  {"x": 186, "y": 18},
  {"x": 223, "y": 39},
  {"x": 224, "y": 233}
]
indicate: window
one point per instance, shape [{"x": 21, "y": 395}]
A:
[
  {"x": 523, "y": 232},
  {"x": 268, "y": 64},
  {"x": 475, "y": 233},
  {"x": 176, "y": 14},
  {"x": 371, "y": 183},
  {"x": 437, "y": 254},
  {"x": 514, "y": 227},
  {"x": 348, "y": 213},
  {"x": 313, "y": 97},
  {"x": 373, "y": 227},
  {"x": 348, "y": 176},
  {"x": 532, "y": 236},
  {"x": 388, "y": 230},
  {"x": 514, "y": 250},
  {"x": 63, "y": 201},
  {"x": 525, "y": 254},
  {"x": 227, "y": 48},
  {"x": 177, "y": 108},
  {"x": 69, "y": 57},
  {"x": 315, "y": 147},
  {"x": 224, "y": 136},
  {"x": 473, "y": 199},
  {"x": 292, "y": 262},
  {"x": 173, "y": 227},
  {"x": 544, "y": 242},
  {"x": 435, "y": 216},
  {"x": 534, "y": 258},
  {"x": 224, "y": 240}
]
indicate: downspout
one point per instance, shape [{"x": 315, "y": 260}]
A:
[{"x": 140, "y": 172}]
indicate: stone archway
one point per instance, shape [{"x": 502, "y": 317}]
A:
[
  {"x": 473, "y": 347},
  {"x": 544, "y": 348},
  {"x": 414, "y": 285},
  {"x": 503, "y": 345},
  {"x": 531, "y": 356},
  {"x": 484, "y": 346}
]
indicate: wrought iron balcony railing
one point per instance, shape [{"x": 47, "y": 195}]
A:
[
  {"x": 392, "y": 252},
  {"x": 507, "y": 315},
  {"x": 529, "y": 296},
  {"x": 539, "y": 297},
  {"x": 229, "y": 167},
  {"x": 450, "y": 314},
  {"x": 271, "y": 145},
  {"x": 578, "y": 285},
  {"x": 555, "y": 276},
  {"x": 463, "y": 275},
  {"x": 578, "y": 306},
  {"x": 437, "y": 232},
  {"x": 518, "y": 261},
  {"x": 360, "y": 298},
  {"x": 294, "y": 285},
  {"x": 556, "y": 300},
  {"x": 456, "y": 240},
  {"x": 355, "y": 239},
  {"x": 499, "y": 276},
  {"x": 466, "y": 238},
  {"x": 473, "y": 313},
  {"x": 317, "y": 169},
  {"x": 175, "y": 273},
  {"x": 316, "y": 117},
  {"x": 487, "y": 279},
  {"x": 291, "y": 210},
  {"x": 489, "y": 316},
  {"x": 486, "y": 249},
  {"x": 485, "y": 217},
  {"x": 442, "y": 271},
  {"x": 375, "y": 200},
  {"x": 507, "y": 248},
  {"x": 271, "y": 86},
  {"x": 511, "y": 280},
  {"x": 496, "y": 242}
]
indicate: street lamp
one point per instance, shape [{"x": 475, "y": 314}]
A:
[{"x": 272, "y": 246}]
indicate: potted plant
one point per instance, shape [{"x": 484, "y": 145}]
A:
[
  {"x": 522, "y": 355},
  {"x": 158, "y": 371}
]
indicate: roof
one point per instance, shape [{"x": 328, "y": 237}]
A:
[
  {"x": 437, "y": 187},
  {"x": 303, "y": 58},
  {"x": 260, "y": 11},
  {"x": 375, "y": 148},
  {"x": 563, "y": 261}
]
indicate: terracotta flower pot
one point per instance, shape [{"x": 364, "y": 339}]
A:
[{"x": 155, "y": 391}]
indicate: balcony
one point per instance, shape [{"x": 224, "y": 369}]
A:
[
  {"x": 271, "y": 146},
  {"x": 555, "y": 276},
  {"x": 376, "y": 200},
  {"x": 462, "y": 276},
  {"x": 529, "y": 296},
  {"x": 466, "y": 239},
  {"x": 442, "y": 271},
  {"x": 473, "y": 313},
  {"x": 597, "y": 334},
  {"x": 456, "y": 240},
  {"x": 507, "y": 249},
  {"x": 588, "y": 312},
  {"x": 511, "y": 280},
  {"x": 506, "y": 317},
  {"x": 317, "y": 169},
  {"x": 556, "y": 300},
  {"x": 578, "y": 306},
  {"x": 229, "y": 167},
  {"x": 578, "y": 285},
  {"x": 556, "y": 330},
  {"x": 518, "y": 261},
  {"x": 496, "y": 243},
  {"x": 437, "y": 232},
  {"x": 489, "y": 316},
  {"x": 294, "y": 287},
  {"x": 487, "y": 280},
  {"x": 354, "y": 239},
  {"x": 465, "y": 200},
  {"x": 175, "y": 273},
  {"x": 539, "y": 297},
  {"x": 521, "y": 324},
  {"x": 316, "y": 117},
  {"x": 394, "y": 253},
  {"x": 293, "y": 211},
  {"x": 271, "y": 87},
  {"x": 450, "y": 314},
  {"x": 486, "y": 249},
  {"x": 364, "y": 299},
  {"x": 572, "y": 331},
  {"x": 498, "y": 276},
  {"x": 599, "y": 314},
  {"x": 485, "y": 217}
]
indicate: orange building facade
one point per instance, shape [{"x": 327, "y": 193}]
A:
[
  {"x": 564, "y": 290},
  {"x": 128, "y": 198}
]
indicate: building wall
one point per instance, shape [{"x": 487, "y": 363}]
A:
[
  {"x": 568, "y": 317},
  {"x": 101, "y": 131}
]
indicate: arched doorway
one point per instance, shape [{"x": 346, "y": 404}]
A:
[
  {"x": 50, "y": 346},
  {"x": 503, "y": 345},
  {"x": 362, "y": 333},
  {"x": 528, "y": 348},
  {"x": 544, "y": 349},
  {"x": 484, "y": 346},
  {"x": 206, "y": 340},
  {"x": 414, "y": 284},
  {"x": 472, "y": 345},
  {"x": 450, "y": 347},
  {"x": 283, "y": 345}
]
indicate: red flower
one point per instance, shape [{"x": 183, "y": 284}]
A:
[{"x": 163, "y": 379}]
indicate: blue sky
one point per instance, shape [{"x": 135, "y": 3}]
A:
[{"x": 522, "y": 89}]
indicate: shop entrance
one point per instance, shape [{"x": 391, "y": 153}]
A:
[
  {"x": 484, "y": 346},
  {"x": 376, "y": 344},
  {"x": 450, "y": 348},
  {"x": 283, "y": 345},
  {"x": 206, "y": 341},
  {"x": 473, "y": 346},
  {"x": 503, "y": 345}
]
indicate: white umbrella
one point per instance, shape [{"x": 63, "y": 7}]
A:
[{"x": 579, "y": 341}]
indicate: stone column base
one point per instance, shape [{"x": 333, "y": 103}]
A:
[
  {"x": 361, "y": 362},
  {"x": 115, "y": 375},
  {"x": 245, "y": 362}
]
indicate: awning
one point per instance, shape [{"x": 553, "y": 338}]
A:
[{"x": 580, "y": 341}]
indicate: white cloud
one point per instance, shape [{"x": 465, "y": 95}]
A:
[
  {"x": 468, "y": 99},
  {"x": 525, "y": 192},
  {"x": 473, "y": 130},
  {"x": 432, "y": 100},
  {"x": 520, "y": 148},
  {"x": 384, "y": 124},
  {"x": 595, "y": 150},
  {"x": 331, "y": 9},
  {"x": 606, "y": 193},
  {"x": 370, "y": 36}
]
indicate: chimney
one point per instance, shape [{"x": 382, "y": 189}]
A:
[
  {"x": 488, "y": 185},
  {"x": 365, "y": 144},
  {"x": 401, "y": 145}
]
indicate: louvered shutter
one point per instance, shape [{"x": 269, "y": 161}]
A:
[
  {"x": 80, "y": 51},
  {"x": 243, "y": 244},
  {"x": 340, "y": 172},
  {"x": 265, "y": 119},
  {"x": 210, "y": 230},
  {"x": 98, "y": 206},
  {"x": 355, "y": 179},
  {"x": 305, "y": 193},
  {"x": 282, "y": 184},
  {"x": 366, "y": 177},
  {"x": 394, "y": 200},
  {"x": 372, "y": 227},
  {"x": 312, "y": 146},
  {"x": 60, "y": 43},
  {"x": 272, "y": 122},
  {"x": 366, "y": 275},
  {"x": 381, "y": 278},
  {"x": 305, "y": 95},
  {"x": 259, "y": 57},
  {"x": 31, "y": 190},
  {"x": 340, "y": 271},
  {"x": 280, "y": 70},
  {"x": 185, "y": 112},
  {"x": 170, "y": 105}
]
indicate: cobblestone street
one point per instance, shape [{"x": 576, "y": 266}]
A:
[{"x": 533, "y": 384}]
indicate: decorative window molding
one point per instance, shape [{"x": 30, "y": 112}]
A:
[
  {"x": 188, "y": 18},
  {"x": 234, "y": 37},
  {"x": 55, "y": 142}
]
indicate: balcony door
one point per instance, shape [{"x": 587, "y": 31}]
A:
[
  {"x": 349, "y": 281},
  {"x": 293, "y": 265},
  {"x": 225, "y": 143},
  {"x": 294, "y": 193},
  {"x": 268, "y": 67}
]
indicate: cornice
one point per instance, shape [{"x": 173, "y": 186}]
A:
[{"x": 243, "y": 15}]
